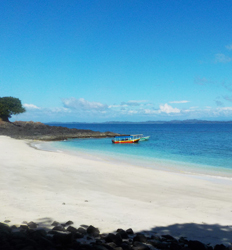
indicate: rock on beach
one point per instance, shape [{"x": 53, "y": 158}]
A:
[{"x": 30, "y": 236}]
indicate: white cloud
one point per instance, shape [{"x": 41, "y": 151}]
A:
[
  {"x": 132, "y": 112},
  {"x": 179, "y": 101},
  {"x": 82, "y": 110},
  {"x": 150, "y": 111},
  {"x": 132, "y": 103},
  {"x": 226, "y": 108},
  {"x": 82, "y": 104},
  {"x": 168, "y": 109},
  {"x": 221, "y": 58},
  {"x": 30, "y": 106},
  {"x": 229, "y": 47},
  {"x": 114, "y": 106}
]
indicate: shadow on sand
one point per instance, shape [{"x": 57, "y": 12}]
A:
[{"x": 208, "y": 234}]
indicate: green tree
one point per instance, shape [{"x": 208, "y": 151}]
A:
[{"x": 10, "y": 106}]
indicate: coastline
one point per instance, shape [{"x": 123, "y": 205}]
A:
[
  {"x": 200, "y": 170},
  {"x": 37, "y": 184}
]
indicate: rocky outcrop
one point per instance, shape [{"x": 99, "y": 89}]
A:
[
  {"x": 29, "y": 236},
  {"x": 40, "y": 131}
]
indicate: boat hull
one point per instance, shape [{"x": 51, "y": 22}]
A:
[{"x": 124, "y": 142}]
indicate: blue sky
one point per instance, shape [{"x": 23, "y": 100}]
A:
[{"x": 117, "y": 60}]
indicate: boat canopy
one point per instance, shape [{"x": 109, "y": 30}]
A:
[{"x": 127, "y": 137}]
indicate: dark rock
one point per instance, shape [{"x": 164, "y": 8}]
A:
[
  {"x": 78, "y": 235},
  {"x": 68, "y": 223},
  {"x": 58, "y": 228},
  {"x": 32, "y": 225},
  {"x": 126, "y": 246},
  {"x": 55, "y": 223},
  {"x": 129, "y": 231},
  {"x": 159, "y": 244},
  {"x": 71, "y": 229},
  {"x": 4, "y": 228},
  {"x": 76, "y": 245},
  {"x": 23, "y": 227},
  {"x": 28, "y": 248},
  {"x": 183, "y": 241},
  {"x": 13, "y": 227},
  {"x": 82, "y": 230},
  {"x": 123, "y": 234},
  {"x": 86, "y": 247},
  {"x": 18, "y": 235},
  {"x": 168, "y": 237},
  {"x": 140, "y": 238},
  {"x": 38, "y": 234},
  {"x": 63, "y": 239},
  {"x": 196, "y": 245},
  {"x": 220, "y": 247},
  {"x": 114, "y": 238},
  {"x": 91, "y": 230},
  {"x": 6, "y": 221},
  {"x": 140, "y": 246},
  {"x": 110, "y": 245},
  {"x": 44, "y": 242},
  {"x": 27, "y": 237},
  {"x": 52, "y": 232},
  {"x": 175, "y": 246},
  {"x": 99, "y": 242},
  {"x": 100, "y": 247}
]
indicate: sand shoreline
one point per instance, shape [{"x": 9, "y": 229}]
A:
[
  {"x": 211, "y": 173},
  {"x": 38, "y": 185}
]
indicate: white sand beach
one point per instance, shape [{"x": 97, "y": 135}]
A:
[{"x": 44, "y": 186}]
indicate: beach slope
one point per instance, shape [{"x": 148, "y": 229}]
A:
[{"x": 41, "y": 186}]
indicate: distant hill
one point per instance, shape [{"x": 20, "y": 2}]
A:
[{"x": 189, "y": 121}]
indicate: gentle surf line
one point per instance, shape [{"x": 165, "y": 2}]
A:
[{"x": 202, "y": 171}]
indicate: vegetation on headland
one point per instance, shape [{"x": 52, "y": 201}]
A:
[{"x": 10, "y": 106}]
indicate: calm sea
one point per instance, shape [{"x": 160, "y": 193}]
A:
[{"x": 194, "y": 148}]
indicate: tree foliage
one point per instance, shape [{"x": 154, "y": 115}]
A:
[{"x": 10, "y": 106}]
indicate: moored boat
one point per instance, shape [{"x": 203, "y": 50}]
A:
[{"x": 126, "y": 139}]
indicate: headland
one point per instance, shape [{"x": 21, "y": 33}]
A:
[{"x": 39, "y": 131}]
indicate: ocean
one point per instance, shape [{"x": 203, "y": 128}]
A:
[{"x": 203, "y": 149}]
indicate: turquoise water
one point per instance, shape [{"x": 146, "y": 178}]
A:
[{"x": 195, "y": 148}]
